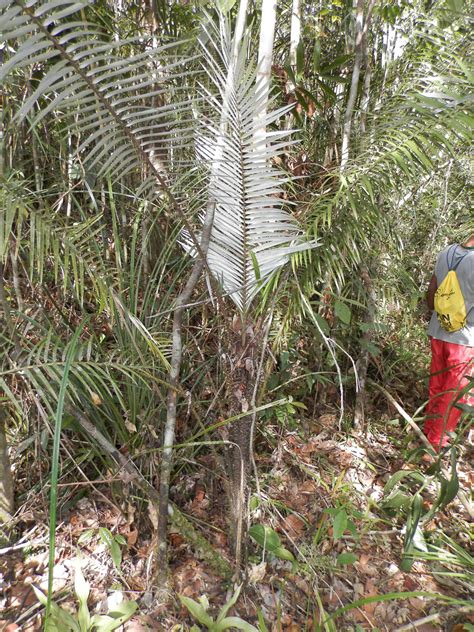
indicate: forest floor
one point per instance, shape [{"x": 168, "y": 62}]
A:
[{"x": 331, "y": 541}]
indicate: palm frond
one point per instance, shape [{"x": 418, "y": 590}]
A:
[
  {"x": 253, "y": 234},
  {"x": 121, "y": 96}
]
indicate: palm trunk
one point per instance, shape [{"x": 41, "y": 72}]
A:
[
  {"x": 243, "y": 356},
  {"x": 176, "y": 354},
  {"x": 243, "y": 348}
]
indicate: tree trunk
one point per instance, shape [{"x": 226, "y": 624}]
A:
[
  {"x": 243, "y": 357},
  {"x": 6, "y": 481},
  {"x": 362, "y": 363},
  {"x": 265, "y": 54}
]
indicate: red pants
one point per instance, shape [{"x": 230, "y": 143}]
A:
[{"x": 450, "y": 364}]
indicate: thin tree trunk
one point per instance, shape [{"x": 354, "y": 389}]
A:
[
  {"x": 295, "y": 33},
  {"x": 364, "y": 104},
  {"x": 295, "y": 37},
  {"x": 168, "y": 440},
  {"x": 362, "y": 363},
  {"x": 360, "y": 34},
  {"x": 16, "y": 280},
  {"x": 6, "y": 480},
  {"x": 354, "y": 83},
  {"x": 265, "y": 54}
]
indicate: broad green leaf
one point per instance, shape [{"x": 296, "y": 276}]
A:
[
  {"x": 261, "y": 622},
  {"x": 82, "y": 589},
  {"x": 226, "y": 5},
  {"x": 283, "y": 554},
  {"x": 265, "y": 536},
  {"x": 413, "y": 520},
  {"x": 227, "y": 606},
  {"x": 114, "y": 549},
  {"x": 399, "y": 476},
  {"x": 339, "y": 524},
  {"x": 116, "y": 617},
  {"x": 342, "y": 312},
  {"x": 322, "y": 323},
  {"x": 300, "y": 59},
  {"x": 397, "y": 500},
  {"x": 197, "y": 611},
  {"x": 343, "y": 559},
  {"x": 234, "y": 622}
]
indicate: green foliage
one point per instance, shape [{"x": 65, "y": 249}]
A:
[
  {"x": 267, "y": 538},
  {"x": 60, "y": 620},
  {"x": 403, "y": 494},
  {"x": 113, "y": 543},
  {"x": 198, "y": 610}
]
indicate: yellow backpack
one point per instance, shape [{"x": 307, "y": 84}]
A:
[{"x": 449, "y": 300}]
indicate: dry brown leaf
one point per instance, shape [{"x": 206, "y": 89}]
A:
[
  {"x": 417, "y": 604},
  {"x": 328, "y": 420},
  {"x": 153, "y": 513},
  {"x": 370, "y": 591},
  {"x": 96, "y": 400},
  {"x": 257, "y": 572},
  {"x": 293, "y": 525},
  {"x": 176, "y": 539},
  {"x": 132, "y": 537}
]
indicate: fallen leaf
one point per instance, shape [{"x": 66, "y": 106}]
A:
[
  {"x": 132, "y": 537},
  {"x": 96, "y": 400},
  {"x": 369, "y": 591},
  {"x": 293, "y": 525},
  {"x": 410, "y": 583},
  {"x": 153, "y": 513},
  {"x": 257, "y": 572}
]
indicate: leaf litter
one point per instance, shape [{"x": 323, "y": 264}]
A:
[{"x": 320, "y": 493}]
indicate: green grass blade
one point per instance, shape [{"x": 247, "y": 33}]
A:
[{"x": 55, "y": 460}]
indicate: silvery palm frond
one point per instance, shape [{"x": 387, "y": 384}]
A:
[
  {"x": 125, "y": 98},
  {"x": 253, "y": 233}
]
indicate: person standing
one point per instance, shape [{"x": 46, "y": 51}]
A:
[{"x": 452, "y": 352}]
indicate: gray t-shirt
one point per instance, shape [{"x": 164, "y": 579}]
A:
[{"x": 465, "y": 274}]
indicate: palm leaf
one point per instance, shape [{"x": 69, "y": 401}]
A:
[
  {"x": 121, "y": 97},
  {"x": 253, "y": 234}
]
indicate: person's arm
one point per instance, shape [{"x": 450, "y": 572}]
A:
[{"x": 430, "y": 294}]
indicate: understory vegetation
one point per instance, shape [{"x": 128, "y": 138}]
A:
[{"x": 217, "y": 225}]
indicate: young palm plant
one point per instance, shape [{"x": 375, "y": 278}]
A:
[
  {"x": 252, "y": 236},
  {"x": 133, "y": 110}
]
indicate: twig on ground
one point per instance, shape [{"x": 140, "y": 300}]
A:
[
  {"x": 23, "y": 545},
  {"x": 414, "y": 625}
]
